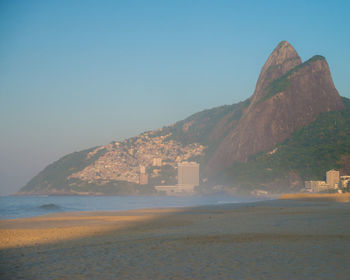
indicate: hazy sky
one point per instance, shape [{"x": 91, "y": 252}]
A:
[{"x": 77, "y": 74}]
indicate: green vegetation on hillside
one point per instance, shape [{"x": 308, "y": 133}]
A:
[
  {"x": 54, "y": 176},
  {"x": 309, "y": 152},
  {"x": 203, "y": 123},
  {"x": 114, "y": 188}
]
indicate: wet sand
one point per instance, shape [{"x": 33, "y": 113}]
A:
[{"x": 282, "y": 239}]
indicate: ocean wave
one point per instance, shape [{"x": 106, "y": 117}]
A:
[{"x": 49, "y": 206}]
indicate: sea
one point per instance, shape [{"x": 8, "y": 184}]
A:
[{"x": 13, "y": 207}]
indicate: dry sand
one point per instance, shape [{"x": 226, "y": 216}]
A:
[
  {"x": 69, "y": 226},
  {"x": 338, "y": 197},
  {"x": 282, "y": 239}
]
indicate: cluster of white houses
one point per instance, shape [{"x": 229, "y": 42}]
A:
[{"x": 334, "y": 182}]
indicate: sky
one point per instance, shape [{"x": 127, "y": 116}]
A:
[{"x": 78, "y": 74}]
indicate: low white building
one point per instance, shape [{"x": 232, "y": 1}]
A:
[
  {"x": 344, "y": 181},
  {"x": 178, "y": 190},
  {"x": 316, "y": 186}
]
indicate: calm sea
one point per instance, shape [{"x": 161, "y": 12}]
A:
[{"x": 12, "y": 207}]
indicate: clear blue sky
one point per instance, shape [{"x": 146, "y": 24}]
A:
[{"x": 76, "y": 74}]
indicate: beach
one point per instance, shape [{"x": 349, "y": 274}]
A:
[
  {"x": 279, "y": 239},
  {"x": 338, "y": 197}
]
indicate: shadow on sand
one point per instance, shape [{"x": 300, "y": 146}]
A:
[{"x": 262, "y": 240}]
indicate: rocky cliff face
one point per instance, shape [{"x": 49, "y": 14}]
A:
[
  {"x": 288, "y": 95},
  {"x": 283, "y": 58}
]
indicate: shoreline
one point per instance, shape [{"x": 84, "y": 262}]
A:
[
  {"x": 258, "y": 240},
  {"x": 35, "y": 206},
  {"x": 60, "y": 226}
]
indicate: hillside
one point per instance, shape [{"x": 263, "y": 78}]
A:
[
  {"x": 293, "y": 128},
  {"x": 306, "y": 155}
]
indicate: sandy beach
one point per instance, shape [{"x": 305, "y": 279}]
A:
[
  {"x": 281, "y": 239},
  {"x": 338, "y": 197}
]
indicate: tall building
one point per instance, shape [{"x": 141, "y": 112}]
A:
[
  {"x": 143, "y": 175},
  {"x": 142, "y": 169},
  {"x": 332, "y": 178},
  {"x": 188, "y": 173}
]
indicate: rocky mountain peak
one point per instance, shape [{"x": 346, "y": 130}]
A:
[
  {"x": 282, "y": 59},
  {"x": 289, "y": 95},
  {"x": 282, "y": 53}
]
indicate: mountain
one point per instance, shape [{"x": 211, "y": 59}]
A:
[
  {"x": 293, "y": 128},
  {"x": 288, "y": 95}
]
